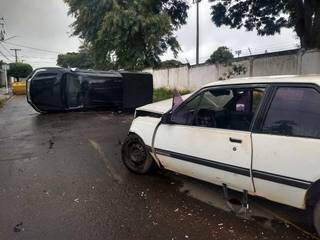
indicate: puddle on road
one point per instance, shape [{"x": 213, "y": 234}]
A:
[{"x": 212, "y": 197}]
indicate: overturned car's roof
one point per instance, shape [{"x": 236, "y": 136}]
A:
[
  {"x": 89, "y": 73},
  {"x": 81, "y": 72}
]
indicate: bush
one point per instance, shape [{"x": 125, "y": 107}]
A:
[
  {"x": 160, "y": 94},
  {"x": 19, "y": 70}
]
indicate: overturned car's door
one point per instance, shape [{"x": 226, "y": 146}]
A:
[
  {"x": 73, "y": 91},
  {"x": 103, "y": 90}
]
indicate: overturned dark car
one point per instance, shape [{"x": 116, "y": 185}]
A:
[{"x": 60, "y": 89}]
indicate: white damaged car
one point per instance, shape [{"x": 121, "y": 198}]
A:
[{"x": 260, "y": 136}]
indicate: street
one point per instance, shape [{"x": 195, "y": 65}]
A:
[{"x": 61, "y": 177}]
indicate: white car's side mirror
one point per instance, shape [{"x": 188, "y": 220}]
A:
[{"x": 166, "y": 118}]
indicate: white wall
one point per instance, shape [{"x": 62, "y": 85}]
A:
[
  {"x": 179, "y": 77},
  {"x": 195, "y": 77},
  {"x": 201, "y": 75},
  {"x": 310, "y": 62},
  {"x": 278, "y": 65}
]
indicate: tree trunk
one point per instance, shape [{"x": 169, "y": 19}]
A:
[
  {"x": 316, "y": 25},
  {"x": 307, "y": 22}
]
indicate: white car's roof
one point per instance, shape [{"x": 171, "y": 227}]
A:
[
  {"x": 270, "y": 79},
  {"x": 164, "y": 106}
]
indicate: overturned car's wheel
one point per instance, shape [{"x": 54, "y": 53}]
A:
[
  {"x": 136, "y": 157},
  {"x": 316, "y": 216}
]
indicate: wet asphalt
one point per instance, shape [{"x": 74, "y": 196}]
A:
[{"x": 61, "y": 177}]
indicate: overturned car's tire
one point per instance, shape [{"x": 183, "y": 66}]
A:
[
  {"x": 316, "y": 216},
  {"x": 136, "y": 156}
]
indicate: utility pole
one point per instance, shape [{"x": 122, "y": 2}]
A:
[
  {"x": 2, "y": 29},
  {"x": 197, "y": 43},
  {"x": 4, "y": 67},
  {"x": 16, "y": 50}
]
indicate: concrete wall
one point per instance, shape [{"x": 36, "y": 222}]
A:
[
  {"x": 201, "y": 75},
  {"x": 310, "y": 62},
  {"x": 280, "y": 63}
]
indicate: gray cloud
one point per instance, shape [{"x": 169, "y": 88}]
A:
[
  {"x": 46, "y": 25},
  {"x": 40, "y": 24},
  {"x": 212, "y": 37}
]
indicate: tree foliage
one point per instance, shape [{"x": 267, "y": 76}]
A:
[
  {"x": 269, "y": 17},
  {"x": 130, "y": 34},
  {"x": 19, "y": 70},
  {"x": 170, "y": 64},
  {"x": 82, "y": 60},
  {"x": 222, "y": 55}
]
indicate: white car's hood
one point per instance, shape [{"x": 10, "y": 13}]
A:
[{"x": 160, "y": 107}]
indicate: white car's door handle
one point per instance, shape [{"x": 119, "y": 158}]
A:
[{"x": 235, "y": 140}]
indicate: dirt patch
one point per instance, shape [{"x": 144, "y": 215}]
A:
[{"x": 2, "y": 101}]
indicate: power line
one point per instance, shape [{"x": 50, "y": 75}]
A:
[
  {"x": 38, "y": 57},
  {"x": 33, "y": 48},
  {"x": 5, "y": 56},
  {"x": 35, "y": 53},
  {"x": 7, "y": 51}
]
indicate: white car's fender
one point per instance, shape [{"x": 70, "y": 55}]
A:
[{"x": 144, "y": 127}]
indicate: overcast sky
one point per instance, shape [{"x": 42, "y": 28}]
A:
[{"x": 45, "y": 25}]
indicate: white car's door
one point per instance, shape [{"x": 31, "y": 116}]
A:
[
  {"x": 286, "y": 145},
  {"x": 209, "y": 137}
]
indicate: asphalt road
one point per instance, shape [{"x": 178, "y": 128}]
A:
[{"x": 61, "y": 177}]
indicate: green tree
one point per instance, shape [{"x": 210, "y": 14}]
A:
[
  {"x": 19, "y": 70},
  {"x": 221, "y": 56},
  {"x": 130, "y": 34},
  {"x": 224, "y": 56},
  {"x": 82, "y": 60},
  {"x": 269, "y": 17},
  {"x": 170, "y": 64}
]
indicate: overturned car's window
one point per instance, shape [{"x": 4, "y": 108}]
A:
[
  {"x": 46, "y": 89},
  {"x": 73, "y": 91}
]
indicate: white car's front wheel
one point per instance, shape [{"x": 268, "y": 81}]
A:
[{"x": 135, "y": 155}]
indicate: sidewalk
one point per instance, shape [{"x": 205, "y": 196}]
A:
[{"x": 3, "y": 94}]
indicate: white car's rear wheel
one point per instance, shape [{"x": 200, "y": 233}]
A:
[{"x": 135, "y": 155}]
